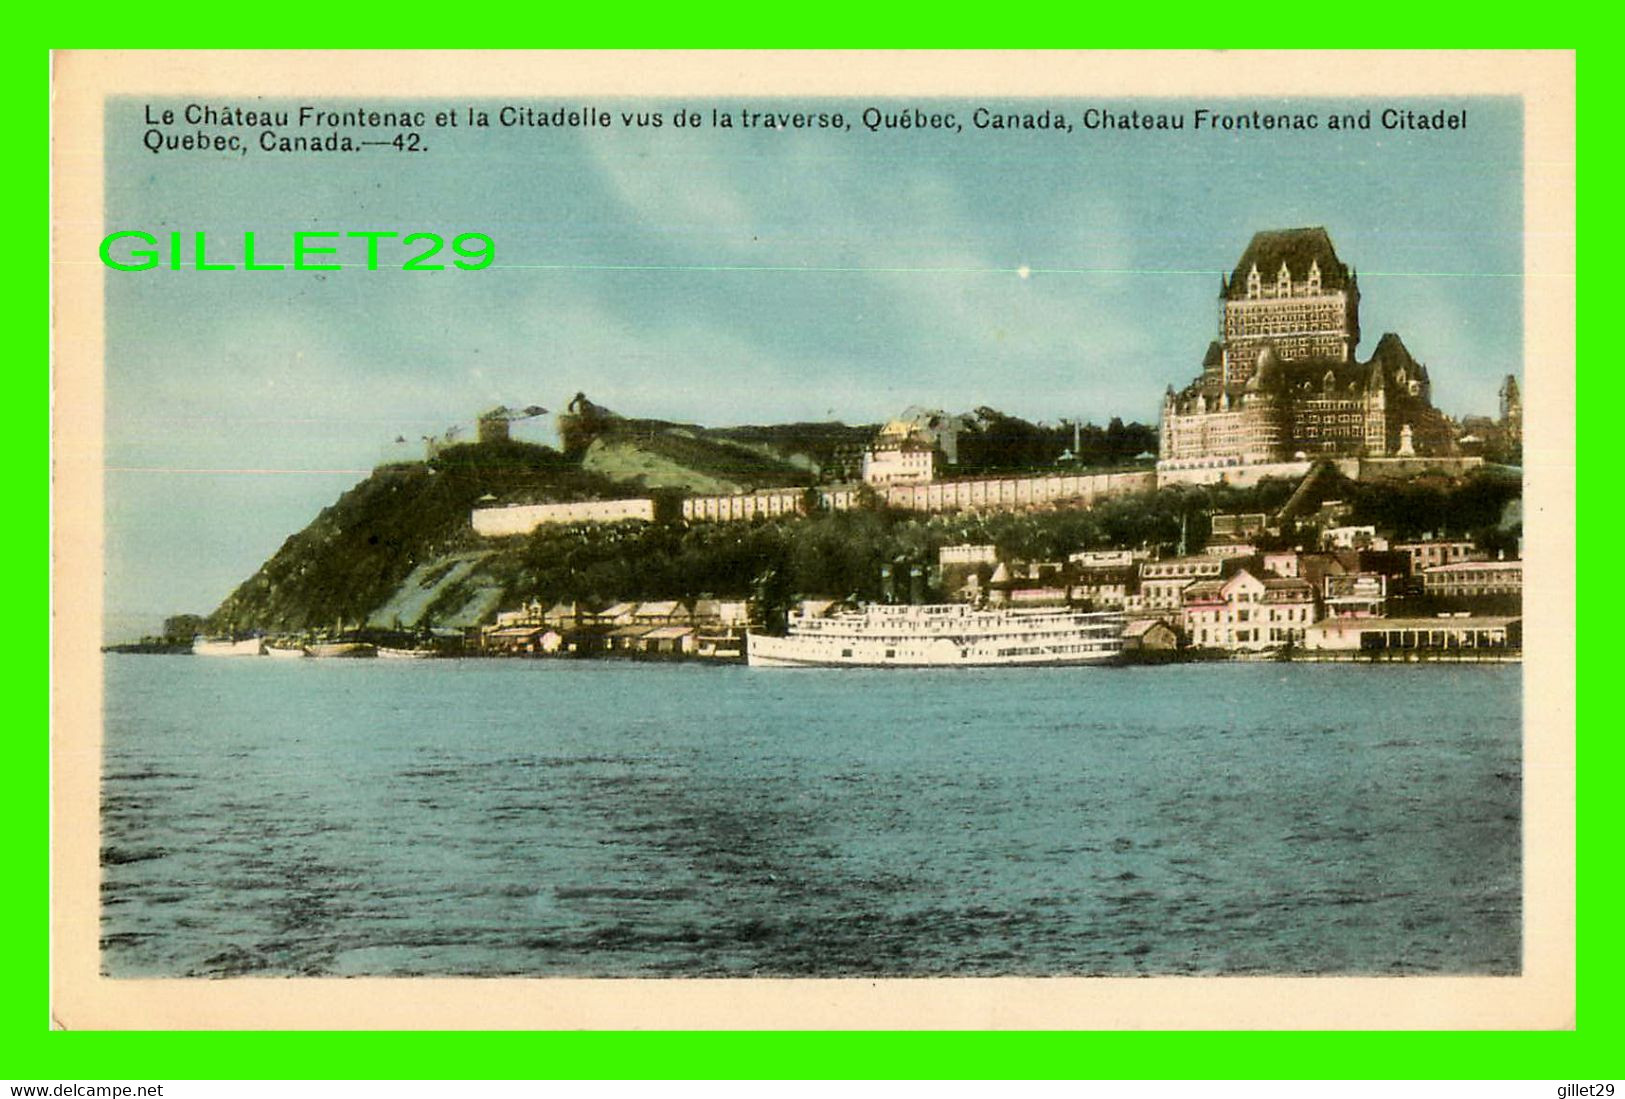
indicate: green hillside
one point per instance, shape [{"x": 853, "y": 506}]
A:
[
  {"x": 679, "y": 458},
  {"x": 355, "y": 554}
]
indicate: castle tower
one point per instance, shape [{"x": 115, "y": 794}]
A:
[
  {"x": 1512, "y": 409},
  {"x": 1288, "y": 290}
]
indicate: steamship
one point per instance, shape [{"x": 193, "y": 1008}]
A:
[{"x": 949, "y": 635}]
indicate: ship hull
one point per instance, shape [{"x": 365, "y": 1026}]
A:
[
  {"x": 757, "y": 658},
  {"x": 344, "y": 649},
  {"x": 204, "y": 647},
  {"x": 940, "y": 637}
]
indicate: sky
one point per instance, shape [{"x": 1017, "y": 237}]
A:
[{"x": 737, "y": 276}]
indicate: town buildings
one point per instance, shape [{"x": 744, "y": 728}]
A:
[{"x": 708, "y": 628}]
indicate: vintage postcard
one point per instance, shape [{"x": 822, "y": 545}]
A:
[{"x": 813, "y": 540}]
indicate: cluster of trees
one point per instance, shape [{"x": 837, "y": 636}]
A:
[
  {"x": 993, "y": 442},
  {"x": 1479, "y": 507}
]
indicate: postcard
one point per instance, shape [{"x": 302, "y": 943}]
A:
[{"x": 813, "y": 540}]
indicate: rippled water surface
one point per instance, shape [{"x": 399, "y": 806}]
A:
[{"x": 598, "y": 818}]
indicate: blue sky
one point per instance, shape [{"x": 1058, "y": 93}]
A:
[{"x": 741, "y": 276}]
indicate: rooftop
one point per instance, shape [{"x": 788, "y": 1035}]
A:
[
  {"x": 1297, "y": 248},
  {"x": 1468, "y": 622},
  {"x": 1473, "y": 566}
]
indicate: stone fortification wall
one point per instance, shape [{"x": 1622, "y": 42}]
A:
[{"x": 509, "y": 521}]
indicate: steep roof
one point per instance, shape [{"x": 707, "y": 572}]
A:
[
  {"x": 1297, "y": 248},
  {"x": 1141, "y": 626},
  {"x": 1391, "y": 354}
]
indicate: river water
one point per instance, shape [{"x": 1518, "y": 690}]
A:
[{"x": 491, "y": 817}]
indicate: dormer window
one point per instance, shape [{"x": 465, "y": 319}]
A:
[
  {"x": 1314, "y": 277},
  {"x": 1283, "y": 282},
  {"x": 1253, "y": 285}
]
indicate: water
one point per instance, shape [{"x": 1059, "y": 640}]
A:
[{"x": 606, "y": 819}]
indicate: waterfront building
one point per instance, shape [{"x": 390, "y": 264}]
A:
[
  {"x": 662, "y": 612},
  {"x": 1247, "y": 613},
  {"x": 1282, "y": 384},
  {"x": 562, "y": 615},
  {"x": 1150, "y": 635},
  {"x": 1289, "y": 610},
  {"x": 1471, "y": 579},
  {"x": 721, "y": 613},
  {"x": 616, "y": 614},
  {"x": 1456, "y": 632},
  {"x": 514, "y": 638}
]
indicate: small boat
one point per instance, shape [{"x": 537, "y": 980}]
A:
[
  {"x": 286, "y": 651},
  {"x": 387, "y": 653},
  {"x": 330, "y": 649},
  {"x": 225, "y": 646}
]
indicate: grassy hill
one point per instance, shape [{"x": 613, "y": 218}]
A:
[
  {"x": 354, "y": 555},
  {"x": 659, "y": 454}
]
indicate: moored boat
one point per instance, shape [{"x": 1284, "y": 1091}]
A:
[
  {"x": 949, "y": 635},
  {"x": 386, "y": 652},
  {"x": 331, "y": 649},
  {"x": 225, "y": 646},
  {"x": 286, "y": 651}
]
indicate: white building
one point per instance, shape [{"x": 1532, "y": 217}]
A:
[
  {"x": 1161, "y": 582},
  {"x": 1246, "y": 613},
  {"x": 1384, "y": 634},
  {"x": 905, "y": 461}
]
